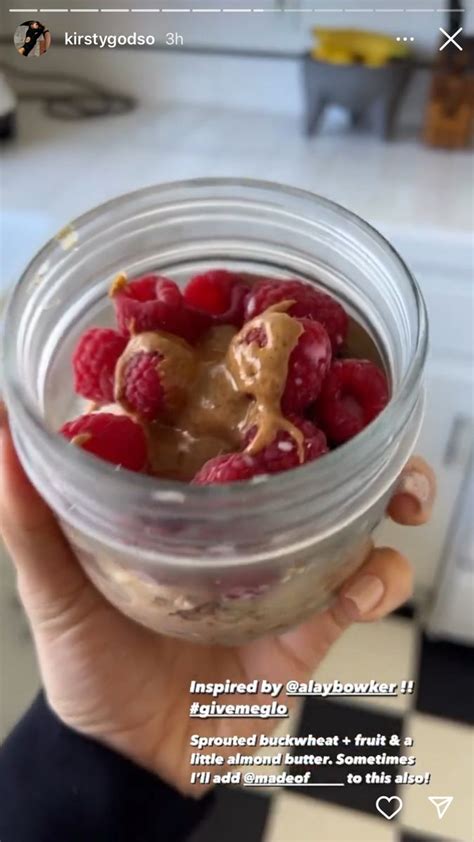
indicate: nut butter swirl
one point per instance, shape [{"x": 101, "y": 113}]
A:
[
  {"x": 261, "y": 371},
  {"x": 215, "y": 391},
  {"x": 215, "y": 405}
]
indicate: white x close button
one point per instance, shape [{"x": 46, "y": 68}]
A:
[{"x": 450, "y": 39}]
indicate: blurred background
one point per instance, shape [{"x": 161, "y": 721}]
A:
[{"x": 381, "y": 123}]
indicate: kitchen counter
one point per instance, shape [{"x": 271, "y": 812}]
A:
[{"x": 57, "y": 170}]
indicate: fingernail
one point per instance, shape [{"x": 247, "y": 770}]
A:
[
  {"x": 418, "y": 487},
  {"x": 364, "y": 595}
]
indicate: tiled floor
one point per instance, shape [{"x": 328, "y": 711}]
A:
[{"x": 438, "y": 716}]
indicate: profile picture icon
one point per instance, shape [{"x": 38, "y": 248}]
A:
[{"x": 32, "y": 38}]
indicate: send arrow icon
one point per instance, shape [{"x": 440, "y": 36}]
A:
[{"x": 441, "y": 802}]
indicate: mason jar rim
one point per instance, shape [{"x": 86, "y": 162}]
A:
[{"x": 351, "y": 455}]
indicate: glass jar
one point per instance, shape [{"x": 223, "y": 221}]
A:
[{"x": 221, "y": 564}]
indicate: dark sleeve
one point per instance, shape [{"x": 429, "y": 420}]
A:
[{"x": 58, "y": 785}]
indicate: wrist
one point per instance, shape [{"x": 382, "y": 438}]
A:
[{"x": 76, "y": 788}]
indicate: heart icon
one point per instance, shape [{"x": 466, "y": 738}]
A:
[{"x": 389, "y": 807}]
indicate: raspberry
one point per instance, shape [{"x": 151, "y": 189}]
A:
[
  {"x": 211, "y": 291},
  {"x": 280, "y": 455},
  {"x": 155, "y": 303},
  {"x": 307, "y": 367},
  {"x": 150, "y": 287},
  {"x": 192, "y": 324},
  {"x": 353, "y": 394},
  {"x": 94, "y": 361},
  {"x": 154, "y": 375},
  {"x": 229, "y": 467},
  {"x": 235, "y": 313},
  {"x": 219, "y": 293},
  {"x": 168, "y": 292},
  {"x": 142, "y": 390},
  {"x": 115, "y": 438},
  {"x": 310, "y": 303}
]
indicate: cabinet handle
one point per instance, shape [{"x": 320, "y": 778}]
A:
[{"x": 460, "y": 441}]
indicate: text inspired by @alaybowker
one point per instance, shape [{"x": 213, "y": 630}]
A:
[
  {"x": 340, "y": 759},
  {"x": 276, "y": 710}
]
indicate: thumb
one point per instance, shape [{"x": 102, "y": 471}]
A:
[{"x": 49, "y": 576}]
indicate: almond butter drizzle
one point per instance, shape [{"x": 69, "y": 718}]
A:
[
  {"x": 118, "y": 284},
  {"x": 261, "y": 372},
  {"x": 215, "y": 391},
  {"x": 219, "y": 389},
  {"x": 215, "y": 405},
  {"x": 209, "y": 423}
]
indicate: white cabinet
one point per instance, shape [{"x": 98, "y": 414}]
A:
[
  {"x": 450, "y": 613},
  {"x": 444, "y": 271},
  {"x": 446, "y": 441}
]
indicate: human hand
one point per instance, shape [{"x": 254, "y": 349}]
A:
[{"x": 121, "y": 684}]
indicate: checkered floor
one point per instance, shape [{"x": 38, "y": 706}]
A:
[{"x": 439, "y": 717}]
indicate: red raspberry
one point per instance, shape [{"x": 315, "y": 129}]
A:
[
  {"x": 152, "y": 287},
  {"x": 155, "y": 303},
  {"x": 235, "y": 313},
  {"x": 211, "y": 291},
  {"x": 115, "y": 438},
  {"x": 168, "y": 292},
  {"x": 94, "y": 363},
  {"x": 310, "y": 303},
  {"x": 192, "y": 324},
  {"x": 229, "y": 467},
  {"x": 353, "y": 394},
  {"x": 307, "y": 367},
  {"x": 219, "y": 293},
  {"x": 280, "y": 455},
  {"x": 142, "y": 390}
]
